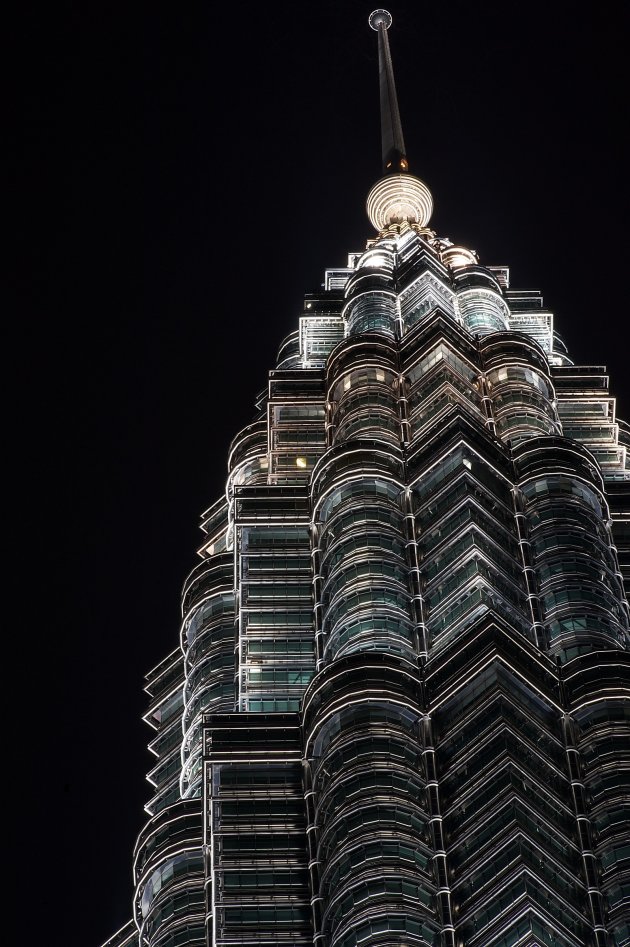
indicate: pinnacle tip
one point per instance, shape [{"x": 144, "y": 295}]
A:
[{"x": 380, "y": 18}]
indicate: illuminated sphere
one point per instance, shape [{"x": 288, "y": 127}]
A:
[
  {"x": 399, "y": 197},
  {"x": 380, "y": 17}
]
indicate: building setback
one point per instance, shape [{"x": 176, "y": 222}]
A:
[{"x": 397, "y": 714}]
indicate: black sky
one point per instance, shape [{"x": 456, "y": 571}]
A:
[{"x": 191, "y": 173}]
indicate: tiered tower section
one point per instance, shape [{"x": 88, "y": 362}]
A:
[
  {"x": 402, "y": 676},
  {"x": 399, "y": 712}
]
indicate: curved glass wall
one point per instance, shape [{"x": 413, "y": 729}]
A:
[
  {"x": 373, "y": 310},
  {"x": 289, "y": 352},
  {"x": 248, "y": 459},
  {"x": 208, "y": 644},
  {"x": 597, "y": 686},
  {"x": 371, "y": 412},
  {"x": 365, "y": 599},
  {"x": 582, "y": 599},
  {"x": 374, "y": 859},
  {"x": 517, "y": 380},
  {"x": 169, "y": 869},
  {"x": 363, "y": 392},
  {"x": 480, "y": 301}
]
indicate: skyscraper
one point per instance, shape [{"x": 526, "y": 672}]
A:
[{"x": 395, "y": 715}]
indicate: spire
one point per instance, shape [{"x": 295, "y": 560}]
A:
[
  {"x": 394, "y": 155},
  {"x": 399, "y": 196}
]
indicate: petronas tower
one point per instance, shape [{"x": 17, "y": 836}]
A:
[{"x": 397, "y": 711}]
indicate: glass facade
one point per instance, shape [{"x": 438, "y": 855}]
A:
[{"x": 399, "y": 710}]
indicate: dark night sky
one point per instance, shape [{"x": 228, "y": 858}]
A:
[{"x": 191, "y": 172}]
